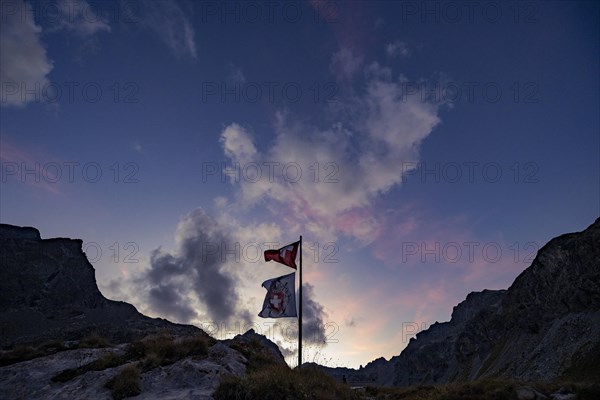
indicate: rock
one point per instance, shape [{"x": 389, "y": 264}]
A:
[
  {"x": 192, "y": 378},
  {"x": 32, "y": 379},
  {"x": 48, "y": 292},
  {"x": 189, "y": 378},
  {"x": 528, "y": 393},
  {"x": 564, "y": 393},
  {"x": 559, "y": 396},
  {"x": 254, "y": 342}
]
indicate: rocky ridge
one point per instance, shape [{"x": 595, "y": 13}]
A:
[{"x": 545, "y": 326}]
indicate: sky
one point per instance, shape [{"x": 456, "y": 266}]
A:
[{"x": 423, "y": 150}]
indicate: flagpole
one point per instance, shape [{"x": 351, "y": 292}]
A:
[{"x": 300, "y": 309}]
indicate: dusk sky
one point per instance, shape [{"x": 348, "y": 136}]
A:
[{"x": 423, "y": 150}]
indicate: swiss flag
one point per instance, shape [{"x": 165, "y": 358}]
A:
[{"x": 285, "y": 255}]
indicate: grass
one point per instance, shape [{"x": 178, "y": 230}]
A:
[
  {"x": 151, "y": 352},
  {"x": 109, "y": 360},
  {"x": 25, "y": 353},
  {"x": 164, "y": 349},
  {"x": 278, "y": 382},
  {"x": 481, "y": 390},
  {"x": 28, "y": 352},
  {"x": 126, "y": 383},
  {"x": 93, "y": 341},
  {"x": 18, "y": 354},
  {"x": 585, "y": 366}
]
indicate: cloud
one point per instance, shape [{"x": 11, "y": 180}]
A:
[
  {"x": 236, "y": 74},
  {"x": 193, "y": 274},
  {"x": 397, "y": 48},
  {"x": 314, "y": 329},
  {"x": 238, "y": 144},
  {"x": 24, "y": 64},
  {"x": 326, "y": 179},
  {"x": 79, "y": 17},
  {"x": 313, "y": 315},
  {"x": 345, "y": 64},
  {"x": 170, "y": 22}
]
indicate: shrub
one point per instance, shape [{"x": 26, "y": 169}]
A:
[
  {"x": 93, "y": 341},
  {"x": 164, "y": 349},
  {"x": 126, "y": 383},
  {"x": 278, "y": 382}
]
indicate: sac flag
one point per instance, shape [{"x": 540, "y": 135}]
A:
[
  {"x": 285, "y": 255},
  {"x": 280, "y": 300}
]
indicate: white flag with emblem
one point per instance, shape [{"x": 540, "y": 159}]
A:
[{"x": 280, "y": 300}]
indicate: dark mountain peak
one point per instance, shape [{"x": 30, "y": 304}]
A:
[
  {"x": 48, "y": 291},
  {"x": 18, "y": 232}
]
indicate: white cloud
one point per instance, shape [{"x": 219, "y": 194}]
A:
[
  {"x": 397, "y": 48},
  {"x": 78, "y": 16},
  {"x": 344, "y": 167},
  {"x": 24, "y": 64},
  {"x": 170, "y": 23},
  {"x": 238, "y": 144},
  {"x": 236, "y": 74},
  {"x": 345, "y": 64}
]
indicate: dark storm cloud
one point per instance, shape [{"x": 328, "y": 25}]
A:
[
  {"x": 313, "y": 314},
  {"x": 195, "y": 270},
  {"x": 167, "y": 300}
]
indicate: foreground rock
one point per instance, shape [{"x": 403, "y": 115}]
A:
[{"x": 191, "y": 377}]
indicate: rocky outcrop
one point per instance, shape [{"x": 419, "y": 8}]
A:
[
  {"x": 546, "y": 325},
  {"x": 190, "y": 377},
  {"x": 48, "y": 291},
  {"x": 252, "y": 344}
]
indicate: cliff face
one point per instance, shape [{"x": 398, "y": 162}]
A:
[
  {"x": 48, "y": 291},
  {"x": 445, "y": 351},
  {"x": 549, "y": 319},
  {"x": 546, "y": 325}
]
